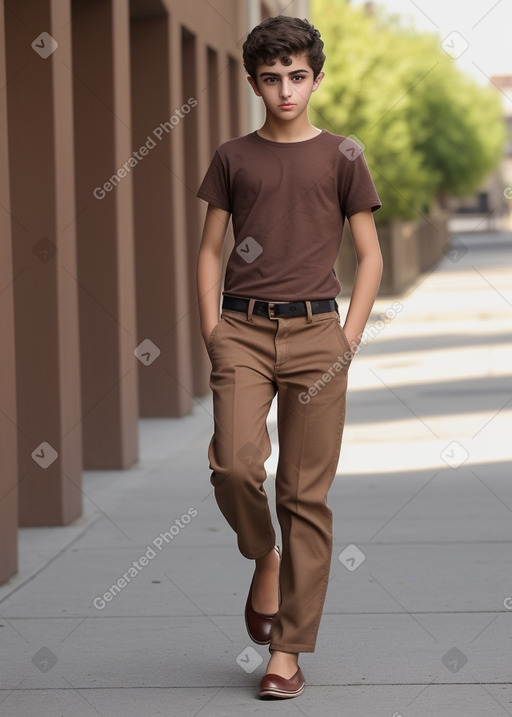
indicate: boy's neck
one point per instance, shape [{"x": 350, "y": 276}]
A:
[{"x": 297, "y": 130}]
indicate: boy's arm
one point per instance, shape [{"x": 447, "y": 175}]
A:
[
  {"x": 209, "y": 268},
  {"x": 367, "y": 278}
]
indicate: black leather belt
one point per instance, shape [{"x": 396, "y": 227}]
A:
[{"x": 274, "y": 310}]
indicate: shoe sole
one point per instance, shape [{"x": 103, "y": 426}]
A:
[{"x": 281, "y": 694}]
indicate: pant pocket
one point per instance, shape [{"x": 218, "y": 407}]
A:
[
  {"x": 348, "y": 353},
  {"x": 212, "y": 336}
]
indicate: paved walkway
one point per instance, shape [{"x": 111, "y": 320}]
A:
[{"x": 418, "y": 617}]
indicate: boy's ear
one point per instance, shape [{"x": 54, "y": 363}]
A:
[
  {"x": 254, "y": 86},
  {"x": 318, "y": 80}
]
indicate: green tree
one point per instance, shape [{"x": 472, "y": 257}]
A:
[{"x": 428, "y": 130}]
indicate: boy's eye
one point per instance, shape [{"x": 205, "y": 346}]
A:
[{"x": 273, "y": 80}]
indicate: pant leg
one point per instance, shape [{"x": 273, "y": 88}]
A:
[
  {"x": 312, "y": 382},
  {"x": 242, "y": 356}
]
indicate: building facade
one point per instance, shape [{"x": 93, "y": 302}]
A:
[{"x": 110, "y": 113}]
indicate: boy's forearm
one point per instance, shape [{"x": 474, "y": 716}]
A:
[
  {"x": 209, "y": 276},
  {"x": 367, "y": 278},
  {"x": 366, "y": 286},
  {"x": 209, "y": 268}
]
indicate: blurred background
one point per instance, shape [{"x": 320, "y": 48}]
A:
[{"x": 110, "y": 113}]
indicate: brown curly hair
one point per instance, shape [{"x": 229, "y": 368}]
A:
[{"x": 279, "y": 37}]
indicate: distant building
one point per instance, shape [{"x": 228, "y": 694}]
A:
[
  {"x": 490, "y": 207},
  {"x": 504, "y": 85}
]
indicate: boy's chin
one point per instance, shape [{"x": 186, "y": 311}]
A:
[{"x": 285, "y": 116}]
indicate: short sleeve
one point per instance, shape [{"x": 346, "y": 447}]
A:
[
  {"x": 214, "y": 188},
  {"x": 356, "y": 189}
]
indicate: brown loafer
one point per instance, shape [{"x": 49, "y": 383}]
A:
[
  {"x": 258, "y": 624},
  {"x": 279, "y": 687}
]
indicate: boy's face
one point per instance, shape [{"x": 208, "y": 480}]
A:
[{"x": 286, "y": 89}]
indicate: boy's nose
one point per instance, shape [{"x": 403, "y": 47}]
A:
[{"x": 285, "y": 90}]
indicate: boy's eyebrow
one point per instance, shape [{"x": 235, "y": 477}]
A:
[{"x": 276, "y": 74}]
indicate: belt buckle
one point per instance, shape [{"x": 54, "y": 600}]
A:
[{"x": 270, "y": 308}]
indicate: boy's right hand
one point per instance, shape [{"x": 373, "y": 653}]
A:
[{"x": 206, "y": 333}]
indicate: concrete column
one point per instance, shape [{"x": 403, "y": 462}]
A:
[
  {"x": 163, "y": 307},
  {"x": 227, "y": 97},
  {"x": 40, "y": 121},
  {"x": 194, "y": 215},
  {"x": 179, "y": 330},
  {"x": 213, "y": 94},
  {"x": 8, "y": 434},
  {"x": 106, "y": 270},
  {"x": 256, "y": 111},
  {"x": 234, "y": 80}
]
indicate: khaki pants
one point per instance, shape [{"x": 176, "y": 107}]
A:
[{"x": 305, "y": 360}]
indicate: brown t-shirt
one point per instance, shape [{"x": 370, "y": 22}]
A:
[{"x": 288, "y": 202}]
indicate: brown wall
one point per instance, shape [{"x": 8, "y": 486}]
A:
[
  {"x": 98, "y": 251},
  {"x": 105, "y": 237},
  {"x": 41, "y": 164},
  {"x": 8, "y": 418}
]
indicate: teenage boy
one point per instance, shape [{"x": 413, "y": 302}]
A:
[{"x": 288, "y": 188}]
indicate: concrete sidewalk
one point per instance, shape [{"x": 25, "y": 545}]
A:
[{"x": 418, "y": 616}]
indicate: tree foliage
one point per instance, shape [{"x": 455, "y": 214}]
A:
[{"x": 428, "y": 129}]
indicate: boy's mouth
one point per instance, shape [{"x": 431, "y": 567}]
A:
[{"x": 286, "y": 105}]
